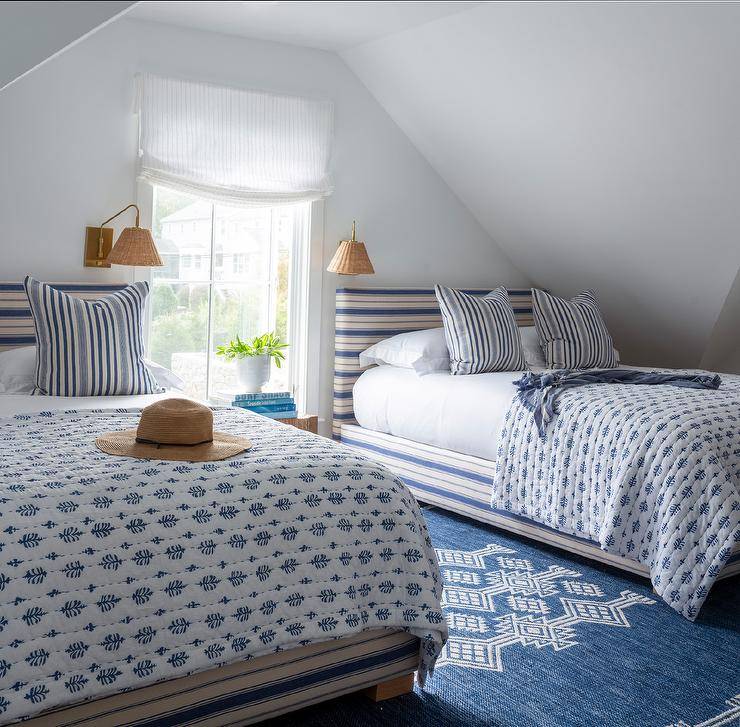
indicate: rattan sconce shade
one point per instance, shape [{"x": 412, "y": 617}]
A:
[
  {"x": 135, "y": 247},
  {"x": 351, "y": 258}
]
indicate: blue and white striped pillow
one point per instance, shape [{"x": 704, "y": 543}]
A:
[
  {"x": 89, "y": 348},
  {"x": 481, "y": 332},
  {"x": 572, "y": 332}
]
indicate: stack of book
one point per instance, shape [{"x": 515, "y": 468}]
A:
[{"x": 273, "y": 404}]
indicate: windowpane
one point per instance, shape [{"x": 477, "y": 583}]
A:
[
  {"x": 182, "y": 228},
  {"x": 242, "y": 244},
  {"x": 237, "y": 310},
  {"x": 284, "y": 238},
  {"x": 197, "y": 307},
  {"x": 178, "y": 336}
]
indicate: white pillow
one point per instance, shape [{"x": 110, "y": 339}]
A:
[
  {"x": 18, "y": 370},
  {"x": 423, "y": 351},
  {"x": 533, "y": 353},
  {"x": 165, "y": 378}
]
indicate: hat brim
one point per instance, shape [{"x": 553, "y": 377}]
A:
[{"x": 124, "y": 444}]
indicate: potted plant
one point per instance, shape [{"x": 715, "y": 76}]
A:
[{"x": 253, "y": 359}]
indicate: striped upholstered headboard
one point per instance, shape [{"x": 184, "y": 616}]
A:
[
  {"x": 16, "y": 324},
  {"x": 367, "y": 315}
]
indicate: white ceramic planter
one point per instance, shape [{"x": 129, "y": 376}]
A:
[{"x": 253, "y": 373}]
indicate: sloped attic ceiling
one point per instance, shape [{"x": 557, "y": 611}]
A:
[
  {"x": 597, "y": 144},
  {"x": 33, "y": 32}
]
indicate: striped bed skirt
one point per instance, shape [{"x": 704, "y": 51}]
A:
[
  {"x": 251, "y": 691},
  {"x": 462, "y": 484}
]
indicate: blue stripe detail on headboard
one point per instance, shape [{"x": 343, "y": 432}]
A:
[
  {"x": 367, "y": 315},
  {"x": 16, "y": 322}
]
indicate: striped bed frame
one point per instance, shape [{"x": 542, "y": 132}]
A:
[
  {"x": 250, "y": 691},
  {"x": 457, "y": 482},
  {"x": 16, "y": 323},
  {"x": 243, "y": 692},
  {"x": 365, "y": 316}
]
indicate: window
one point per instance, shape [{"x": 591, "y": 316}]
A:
[
  {"x": 233, "y": 271},
  {"x": 238, "y": 264}
]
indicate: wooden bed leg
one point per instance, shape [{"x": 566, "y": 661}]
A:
[{"x": 391, "y": 688}]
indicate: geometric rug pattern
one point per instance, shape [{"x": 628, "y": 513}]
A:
[
  {"x": 493, "y": 599},
  {"x": 544, "y": 638},
  {"x": 728, "y": 716}
]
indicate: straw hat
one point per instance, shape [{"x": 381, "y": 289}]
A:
[{"x": 175, "y": 429}]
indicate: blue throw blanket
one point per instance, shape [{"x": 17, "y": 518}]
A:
[{"x": 539, "y": 392}]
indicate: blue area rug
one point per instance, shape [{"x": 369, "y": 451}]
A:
[{"x": 541, "y": 638}]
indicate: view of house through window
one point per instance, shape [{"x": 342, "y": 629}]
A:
[{"x": 227, "y": 272}]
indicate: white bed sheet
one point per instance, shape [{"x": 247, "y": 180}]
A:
[
  {"x": 461, "y": 413},
  {"x": 11, "y": 404}
]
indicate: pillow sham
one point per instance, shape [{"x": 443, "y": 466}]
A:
[
  {"x": 533, "y": 353},
  {"x": 572, "y": 332},
  {"x": 89, "y": 348},
  {"x": 17, "y": 369},
  {"x": 165, "y": 377},
  {"x": 481, "y": 332},
  {"x": 423, "y": 351}
]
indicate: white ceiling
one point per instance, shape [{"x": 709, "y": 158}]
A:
[
  {"x": 333, "y": 26},
  {"x": 33, "y": 32}
]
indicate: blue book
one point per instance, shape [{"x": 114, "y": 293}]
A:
[
  {"x": 282, "y": 401},
  {"x": 261, "y": 395},
  {"x": 266, "y": 408},
  {"x": 292, "y": 414}
]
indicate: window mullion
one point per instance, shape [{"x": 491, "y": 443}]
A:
[
  {"x": 298, "y": 305},
  {"x": 211, "y": 277},
  {"x": 272, "y": 277}
]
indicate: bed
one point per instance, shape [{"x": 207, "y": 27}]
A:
[
  {"x": 442, "y": 434},
  {"x": 155, "y": 592}
]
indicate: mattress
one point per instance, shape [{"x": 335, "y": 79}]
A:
[
  {"x": 458, "y": 413},
  {"x": 11, "y": 404}
]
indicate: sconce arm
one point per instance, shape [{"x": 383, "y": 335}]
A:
[{"x": 136, "y": 224}]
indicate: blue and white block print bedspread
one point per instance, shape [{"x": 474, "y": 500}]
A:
[
  {"x": 116, "y": 572},
  {"x": 651, "y": 473}
]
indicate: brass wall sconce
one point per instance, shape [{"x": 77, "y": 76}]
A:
[
  {"x": 351, "y": 257},
  {"x": 98, "y": 244},
  {"x": 135, "y": 245}
]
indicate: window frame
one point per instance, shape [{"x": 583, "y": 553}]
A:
[{"x": 304, "y": 306}]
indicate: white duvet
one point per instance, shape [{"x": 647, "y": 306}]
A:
[{"x": 460, "y": 413}]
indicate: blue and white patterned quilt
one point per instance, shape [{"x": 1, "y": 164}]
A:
[
  {"x": 651, "y": 473},
  {"x": 116, "y": 572}
]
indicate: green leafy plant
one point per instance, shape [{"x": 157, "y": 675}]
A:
[{"x": 268, "y": 344}]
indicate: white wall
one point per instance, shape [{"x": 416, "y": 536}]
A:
[
  {"x": 723, "y": 349},
  {"x": 597, "y": 143},
  {"x": 68, "y": 160}
]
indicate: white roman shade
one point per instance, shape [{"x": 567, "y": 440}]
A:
[{"x": 237, "y": 146}]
